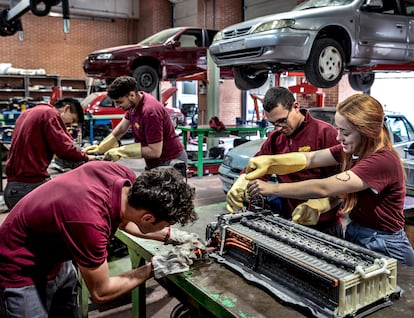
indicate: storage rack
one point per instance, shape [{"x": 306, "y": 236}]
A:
[{"x": 39, "y": 87}]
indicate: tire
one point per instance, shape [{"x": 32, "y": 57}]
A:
[
  {"x": 325, "y": 65},
  {"x": 361, "y": 81},
  {"x": 40, "y": 8},
  {"x": 147, "y": 78},
  {"x": 180, "y": 311},
  {"x": 246, "y": 81}
]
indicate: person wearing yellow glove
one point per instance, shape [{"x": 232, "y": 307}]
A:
[
  {"x": 237, "y": 194},
  {"x": 283, "y": 154},
  {"x": 371, "y": 182},
  {"x": 155, "y": 139}
]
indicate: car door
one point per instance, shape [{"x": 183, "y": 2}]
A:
[
  {"x": 188, "y": 55},
  {"x": 407, "y": 8},
  {"x": 402, "y": 134},
  {"x": 382, "y": 33}
]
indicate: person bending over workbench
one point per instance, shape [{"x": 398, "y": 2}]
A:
[
  {"x": 295, "y": 130},
  {"x": 372, "y": 181},
  {"x": 152, "y": 128},
  {"x": 39, "y": 134},
  {"x": 72, "y": 217}
]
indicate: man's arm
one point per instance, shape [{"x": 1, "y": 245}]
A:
[
  {"x": 103, "y": 288},
  {"x": 120, "y": 130},
  {"x": 152, "y": 151},
  {"x": 133, "y": 229}
]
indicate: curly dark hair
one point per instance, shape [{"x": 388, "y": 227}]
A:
[
  {"x": 122, "y": 86},
  {"x": 164, "y": 192}
]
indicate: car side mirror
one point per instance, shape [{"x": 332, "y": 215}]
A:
[
  {"x": 373, "y": 5},
  {"x": 175, "y": 43},
  {"x": 409, "y": 150}
]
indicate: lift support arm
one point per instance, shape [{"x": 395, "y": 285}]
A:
[{"x": 10, "y": 22}]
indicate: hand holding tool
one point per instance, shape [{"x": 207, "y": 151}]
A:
[{"x": 237, "y": 194}]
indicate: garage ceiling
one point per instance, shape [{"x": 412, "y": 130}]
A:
[{"x": 126, "y": 9}]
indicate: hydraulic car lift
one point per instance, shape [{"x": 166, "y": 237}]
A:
[{"x": 10, "y": 22}]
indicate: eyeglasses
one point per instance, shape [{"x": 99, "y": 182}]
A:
[{"x": 282, "y": 122}]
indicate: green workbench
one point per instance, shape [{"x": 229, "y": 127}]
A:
[
  {"x": 212, "y": 290},
  {"x": 241, "y": 131}
]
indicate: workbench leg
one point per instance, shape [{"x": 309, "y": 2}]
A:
[
  {"x": 185, "y": 140},
  {"x": 200, "y": 137},
  {"x": 91, "y": 131},
  {"x": 139, "y": 309},
  {"x": 83, "y": 299}
]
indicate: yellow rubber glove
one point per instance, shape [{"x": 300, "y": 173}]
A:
[
  {"x": 131, "y": 151},
  {"x": 108, "y": 143},
  {"x": 307, "y": 213},
  {"x": 278, "y": 164},
  {"x": 237, "y": 194}
]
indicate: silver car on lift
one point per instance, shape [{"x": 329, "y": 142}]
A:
[{"x": 323, "y": 38}]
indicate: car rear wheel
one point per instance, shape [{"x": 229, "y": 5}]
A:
[
  {"x": 325, "y": 65},
  {"x": 361, "y": 81},
  {"x": 147, "y": 78},
  {"x": 246, "y": 80}
]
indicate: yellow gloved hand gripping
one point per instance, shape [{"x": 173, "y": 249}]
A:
[
  {"x": 131, "y": 151},
  {"x": 237, "y": 194},
  {"x": 278, "y": 164},
  {"x": 307, "y": 213},
  {"x": 108, "y": 143}
]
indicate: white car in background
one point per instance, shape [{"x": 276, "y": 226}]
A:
[{"x": 402, "y": 130}]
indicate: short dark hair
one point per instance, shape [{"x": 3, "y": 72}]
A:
[
  {"x": 164, "y": 192},
  {"x": 75, "y": 107},
  {"x": 278, "y": 95},
  {"x": 122, "y": 86}
]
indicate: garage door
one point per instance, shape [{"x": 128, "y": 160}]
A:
[{"x": 258, "y": 8}]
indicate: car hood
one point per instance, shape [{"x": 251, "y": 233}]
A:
[
  {"x": 122, "y": 48},
  {"x": 238, "y": 157},
  {"x": 303, "y": 15}
]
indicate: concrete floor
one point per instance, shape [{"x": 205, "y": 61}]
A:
[{"x": 159, "y": 302}]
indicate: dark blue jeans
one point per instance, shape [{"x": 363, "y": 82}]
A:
[
  {"x": 57, "y": 299},
  {"x": 15, "y": 191},
  {"x": 394, "y": 245}
]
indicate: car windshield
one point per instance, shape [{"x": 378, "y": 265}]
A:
[
  {"x": 322, "y": 3},
  {"x": 160, "y": 37},
  {"x": 88, "y": 99}
]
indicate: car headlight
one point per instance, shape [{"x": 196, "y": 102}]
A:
[
  {"x": 272, "y": 25},
  {"x": 104, "y": 56},
  {"x": 218, "y": 36},
  {"x": 227, "y": 160}
]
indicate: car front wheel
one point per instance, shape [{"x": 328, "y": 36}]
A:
[
  {"x": 147, "y": 78},
  {"x": 246, "y": 80},
  {"x": 361, "y": 81},
  {"x": 325, "y": 65}
]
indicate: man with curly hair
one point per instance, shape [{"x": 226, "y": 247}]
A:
[{"x": 72, "y": 218}]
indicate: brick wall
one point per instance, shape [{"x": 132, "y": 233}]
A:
[{"x": 46, "y": 46}]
